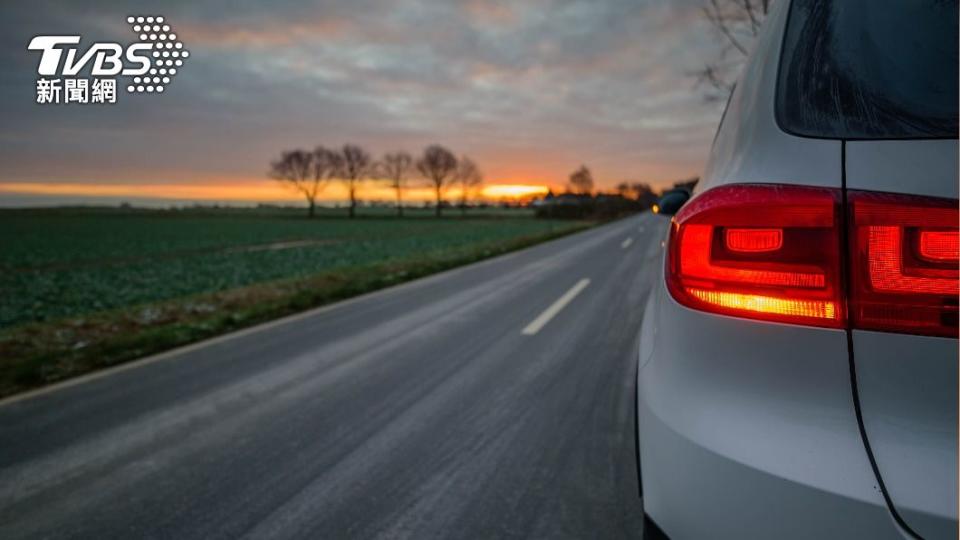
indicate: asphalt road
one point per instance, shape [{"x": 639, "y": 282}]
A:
[{"x": 492, "y": 401}]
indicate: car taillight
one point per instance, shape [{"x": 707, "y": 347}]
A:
[
  {"x": 772, "y": 252},
  {"x": 904, "y": 263},
  {"x": 761, "y": 251}
]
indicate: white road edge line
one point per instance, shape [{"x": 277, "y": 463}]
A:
[
  {"x": 626, "y": 243},
  {"x": 551, "y": 312}
]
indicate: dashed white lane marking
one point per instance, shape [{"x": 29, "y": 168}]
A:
[
  {"x": 555, "y": 308},
  {"x": 626, "y": 243}
]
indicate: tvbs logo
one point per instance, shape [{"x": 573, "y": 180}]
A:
[{"x": 149, "y": 65}]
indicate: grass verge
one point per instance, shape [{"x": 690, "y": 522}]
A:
[{"x": 38, "y": 354}]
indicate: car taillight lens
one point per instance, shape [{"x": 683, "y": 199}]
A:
[
  {"x": 773, "y": 252},
  {"x": 904, "y": 263},
  {"x": 761, "y": 251}
]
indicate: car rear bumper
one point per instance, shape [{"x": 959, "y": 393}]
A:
[{"x": 748, "y": 430}]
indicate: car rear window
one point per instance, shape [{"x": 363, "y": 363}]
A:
[{"x": 863, "y": 69}]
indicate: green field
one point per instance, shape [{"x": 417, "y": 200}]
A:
[
  {"x": 56, "y": 264},
  {"x": 99, "y": 286}
]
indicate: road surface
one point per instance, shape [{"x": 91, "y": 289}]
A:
[{"x": 492, "y": 401}]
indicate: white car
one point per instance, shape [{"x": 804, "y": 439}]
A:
[{"x": 798, "y": 359}]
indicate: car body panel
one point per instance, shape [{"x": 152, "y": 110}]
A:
[
  {"x": 908, "y": 398},
  {"x": 741, "y": 437},
  {"x": 916, "y": 167}
]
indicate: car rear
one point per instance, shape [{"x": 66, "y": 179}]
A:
[{"x": 798, "y": 364}]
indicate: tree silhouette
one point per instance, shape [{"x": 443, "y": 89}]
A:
[
  {"x": 296, "y": 168},
  {"x": 438, "y": 165},
  {"x": 396, "y": 169},
  {"x": 581, "y": 181},
  {"x": 469, "y": 179},
  {"x": 357, "y": 166},
  {"x": 738, "y": 24}
]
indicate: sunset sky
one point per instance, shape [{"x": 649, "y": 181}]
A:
[{"x": 529, "y": 89}]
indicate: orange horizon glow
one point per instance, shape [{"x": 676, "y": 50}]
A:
[
  {"x": 257, "y": 191},
  {"x": 514, "y": 191}
]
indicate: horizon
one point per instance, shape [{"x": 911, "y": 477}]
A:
[{"x": 263, "y": 193}]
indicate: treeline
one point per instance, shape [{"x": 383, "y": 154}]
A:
[
  {"x": 581, "y": 201},
  {"x": 310, "y": 171}
]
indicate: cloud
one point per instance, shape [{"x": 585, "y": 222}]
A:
[{"x": 530, "y": 88}]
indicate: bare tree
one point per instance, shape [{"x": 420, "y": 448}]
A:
[
  {"x": 396, "y": 169},
  {"x": 469, "y": 179},
  {"x": 328, "y": 162},
  {"x": 438, "y": 165},
  {"x": 296, "y": 168},
  {"x": 623, "y": 189},
  {"x": 581, "y": 181},
  {"x": 357, "y": 166},
  {"x": 737, "y": 23}
]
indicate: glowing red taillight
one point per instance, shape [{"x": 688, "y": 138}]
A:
[
  {"x": 774, "y": 253},
  {"x": 760, "y": 251},
  {"x": 940, "y": 246},
  {"x": 754, "y": 240},
  {"x": 904, "y": 263}
]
